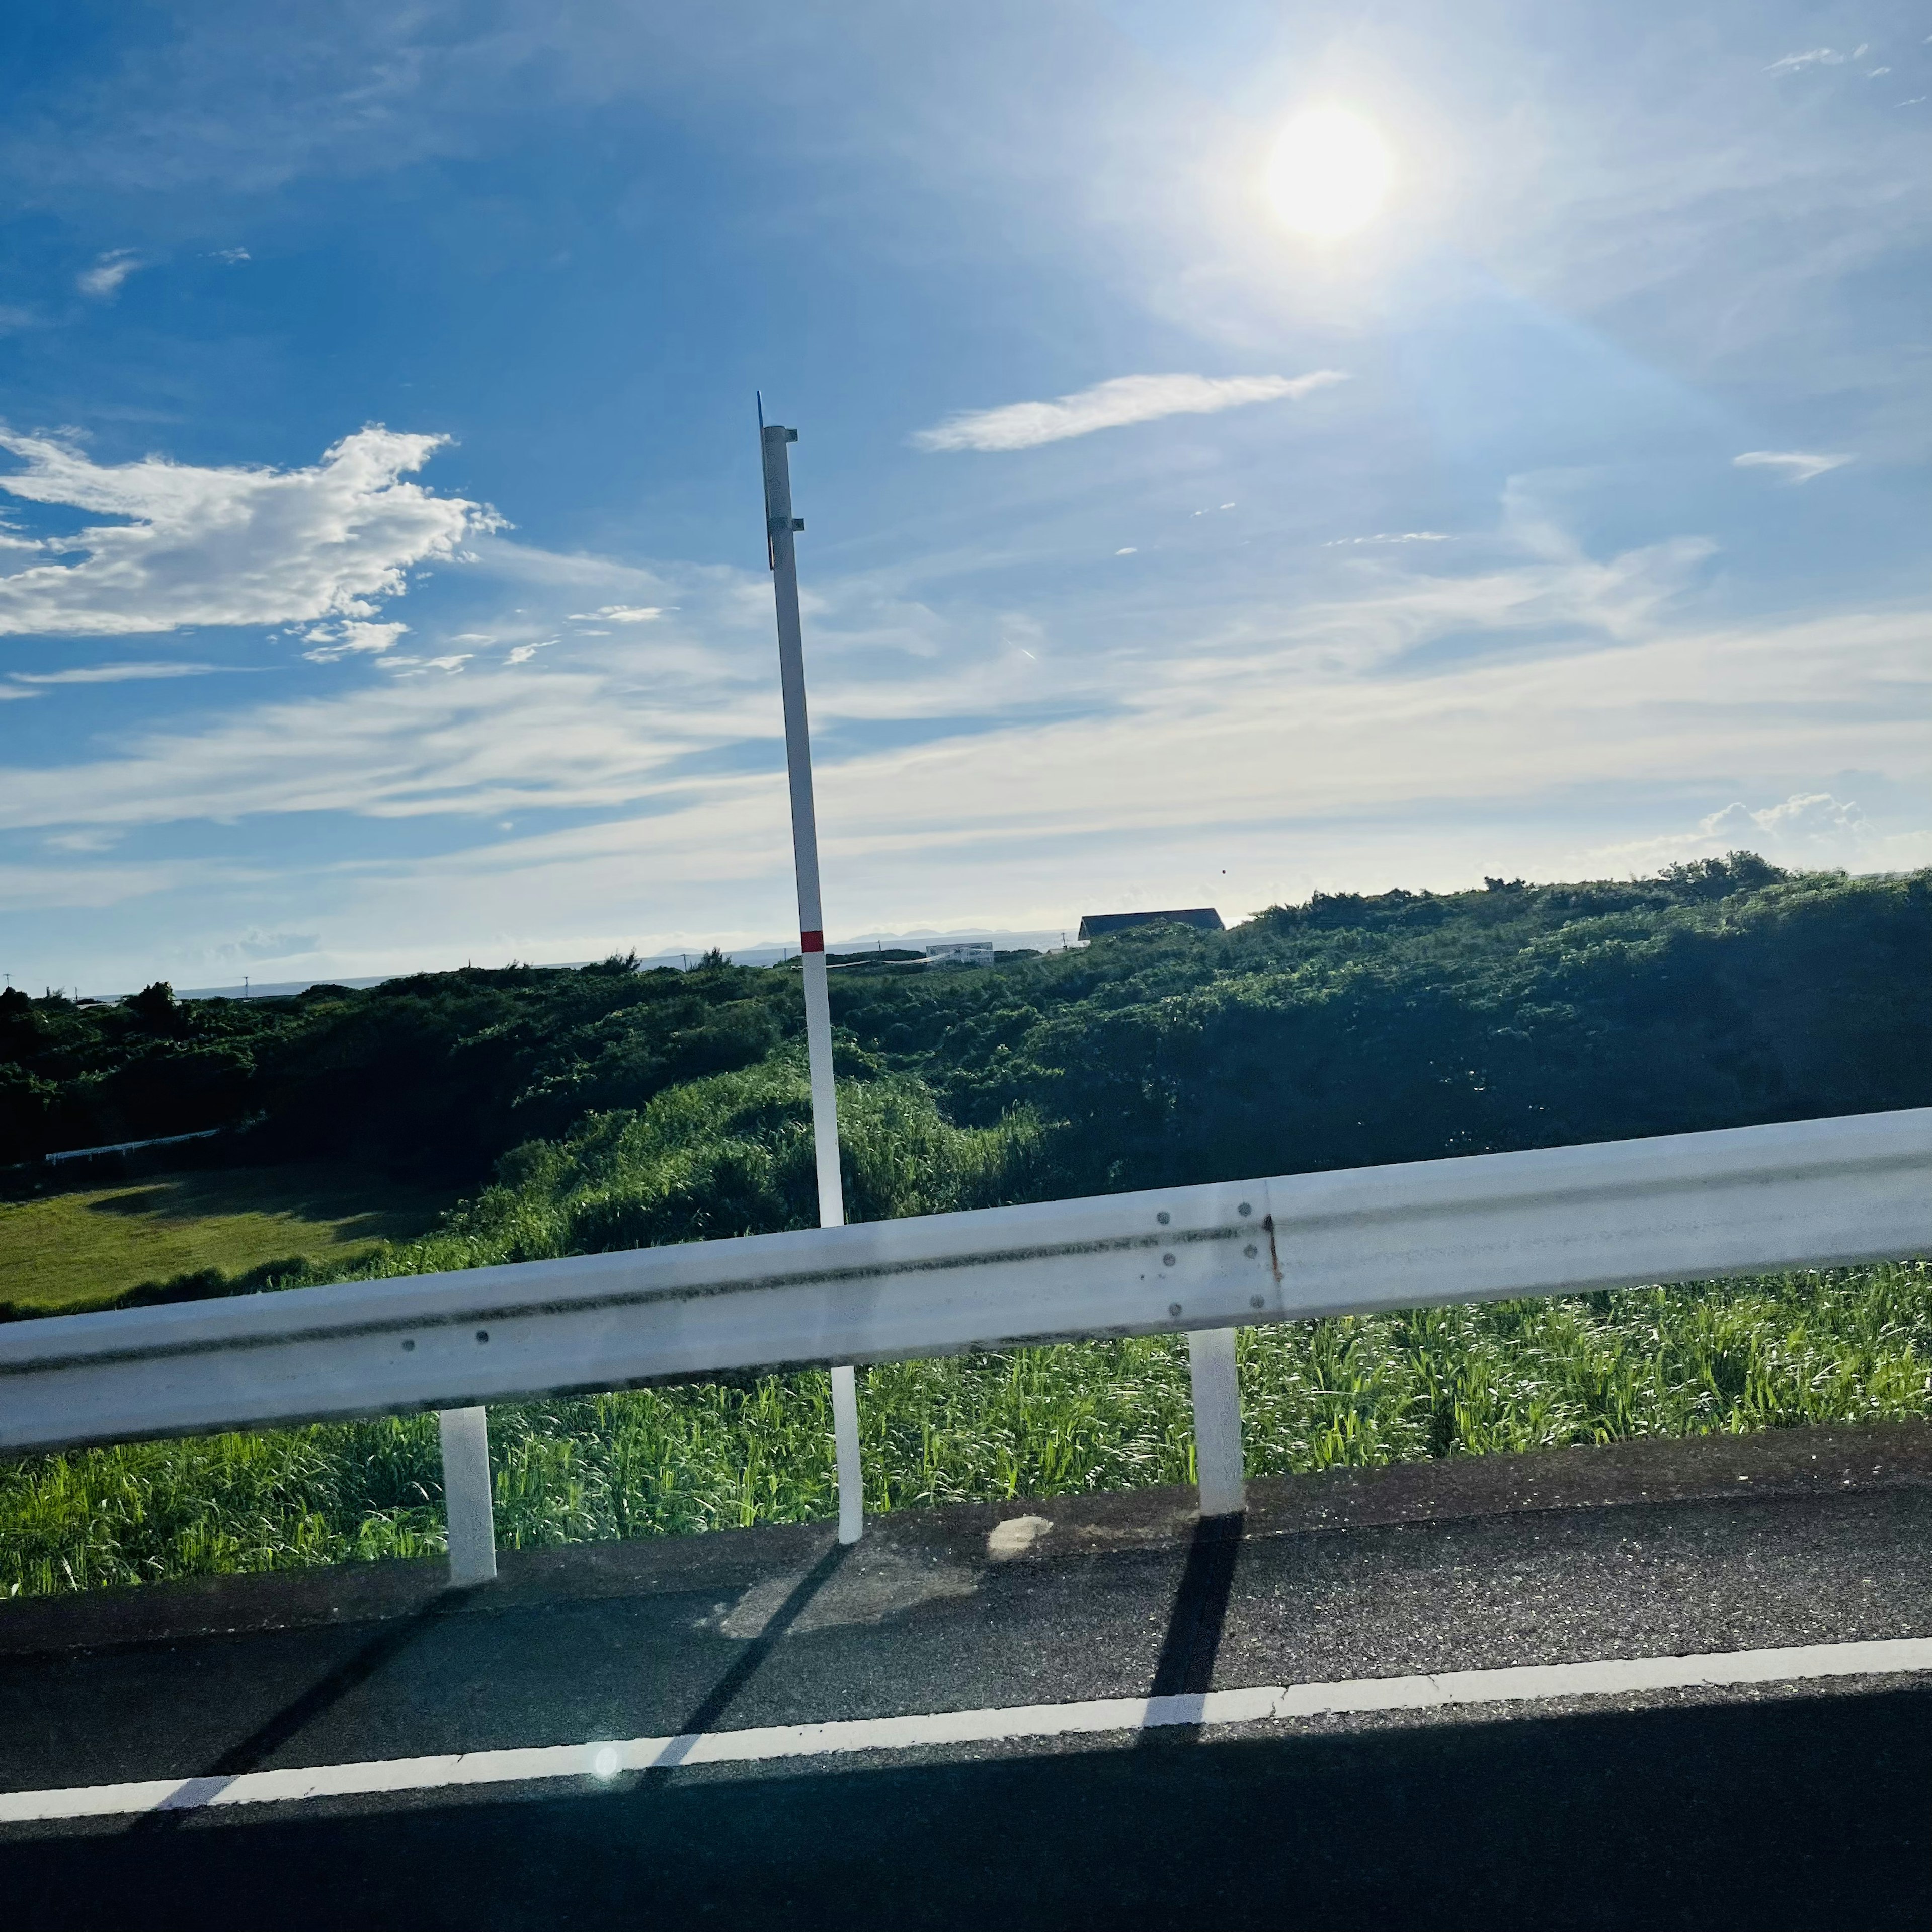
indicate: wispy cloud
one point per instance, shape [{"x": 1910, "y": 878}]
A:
[
  {"x": 225, "y": 547},
  {"x": 1814, "y": 57},
  {"x": 1112, "y": 405},
  {"x": 619, "y": 614},
  {"x": 332, "y": 642},
  {"x": 674, "y": 719},
  {"x": 1800, "y": 465},
  {"x": 102, "y": 281},
  {"x": 230, "y": 256},
  {"x": 254, "y": 944},
  {"x": 112, "y": 673},
  {"x": 1389, "y": 537},
  {"x": 69, "y": 885}
]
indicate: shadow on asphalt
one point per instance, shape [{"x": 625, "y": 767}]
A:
[
  {"x": 393, "y": 1638},
  {"x": 1200, "y": 1612},
  {"x": 1194, "y": 1625},
  {"x": 720, "y": 1697},
  {"x": 255, "y": 1749},
  {"x": 1789, "y": 1814}
]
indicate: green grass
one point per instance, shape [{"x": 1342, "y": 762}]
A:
[
  {"x": 732, "y": 1154},
  {"x": 1848, "y": 1346},
  {"x": 60, "y": 1252}
]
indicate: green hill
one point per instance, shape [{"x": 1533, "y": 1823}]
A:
[{"x": 1349, "y": 1031}]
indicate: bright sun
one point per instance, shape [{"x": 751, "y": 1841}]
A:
[{"x": 1329, "y": 173}]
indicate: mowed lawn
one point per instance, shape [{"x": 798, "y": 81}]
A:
[{"x": 61, "y": 1252}]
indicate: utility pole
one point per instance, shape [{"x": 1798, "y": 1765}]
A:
[{"x": 780, "y": 526}]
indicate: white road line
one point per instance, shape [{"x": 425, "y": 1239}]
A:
[{"x": 599, "y": 1761}]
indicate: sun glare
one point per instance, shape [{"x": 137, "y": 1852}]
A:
[{"x": 1330, "y": 172}]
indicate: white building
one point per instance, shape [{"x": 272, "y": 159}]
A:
[{"x": 973, "y": 953}]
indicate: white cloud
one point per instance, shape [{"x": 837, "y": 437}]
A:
[
  {"x": 626, "y": 724},
  {"x": 522, "y": 654},
  {"x": 43, "y": 888},
  {"x": 229, "y": 255},
  {"x": 1800, "y": 464},
  {"x": 455, "y": 661},
  {"x": 1112, "y": 405},
  {"x": 1421, "y": 759},
  {"x": 1429, "y": 781},
  {"x": 335, "y": 641},
  {"x": 1807, "y": 831},
  {"x": 110, "y": 271},
  {"x": 112, "y": 673},
  {"x": 1410, "y": 769},
  {"x": 1128, "y": 550},
  {"x": 255, "y": 945},
  {"x": 1877, "y": 72},
  {"x": 208, "y": 546},
  {"x": 1389, "y": 537},
  {"x": 1815, "y": 57},
  {"x": 619, "y": 614}
]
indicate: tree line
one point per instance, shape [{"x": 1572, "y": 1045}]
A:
[{"x": 1353, "y": 1030}]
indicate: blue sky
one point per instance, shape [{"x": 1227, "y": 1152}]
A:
[{"x": 382, "y": 580}]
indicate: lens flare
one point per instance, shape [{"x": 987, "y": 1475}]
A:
[{"x": 1330, "y": 173}]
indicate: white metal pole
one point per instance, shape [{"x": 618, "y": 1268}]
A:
[
  {"x": 780, "y": 524},
  {"x": 1217, "y": 1421},
  {"x": 466, "y": 1495}
]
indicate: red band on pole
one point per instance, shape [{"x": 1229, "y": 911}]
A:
[{"x": 811, "y": 942}]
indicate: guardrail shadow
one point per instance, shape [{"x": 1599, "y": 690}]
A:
[
  {"x": 261, "y": 1743},
  {"x": 721, "y": 1696},
  {"x": 1186, "y": 1666},
  {"x": 294, "y": 1718}
]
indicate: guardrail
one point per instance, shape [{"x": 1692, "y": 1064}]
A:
[
  {"x": 128, "y": 1147},
  {"x": 1203, "y": 1261}
]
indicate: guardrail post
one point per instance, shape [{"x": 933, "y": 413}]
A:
[
  {"x": 466, "y": 1495},
  {"x": 1217, "y": 1421}
]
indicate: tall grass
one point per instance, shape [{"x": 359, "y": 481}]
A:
[
  {"x": 732, "y": 1154},
  {"x": 728, "y": 1155},
  {"x": 1847, "y": 1346}
]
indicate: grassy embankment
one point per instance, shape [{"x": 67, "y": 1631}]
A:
[
  {"x": 721, "y": 1156},
  {"x": 82, "y": 1246}
]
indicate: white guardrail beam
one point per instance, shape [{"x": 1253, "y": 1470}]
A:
[{"x": 1554, "y": 1220}]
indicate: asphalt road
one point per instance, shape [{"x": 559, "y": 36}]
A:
[{"x": 1791, "y": 1805}]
